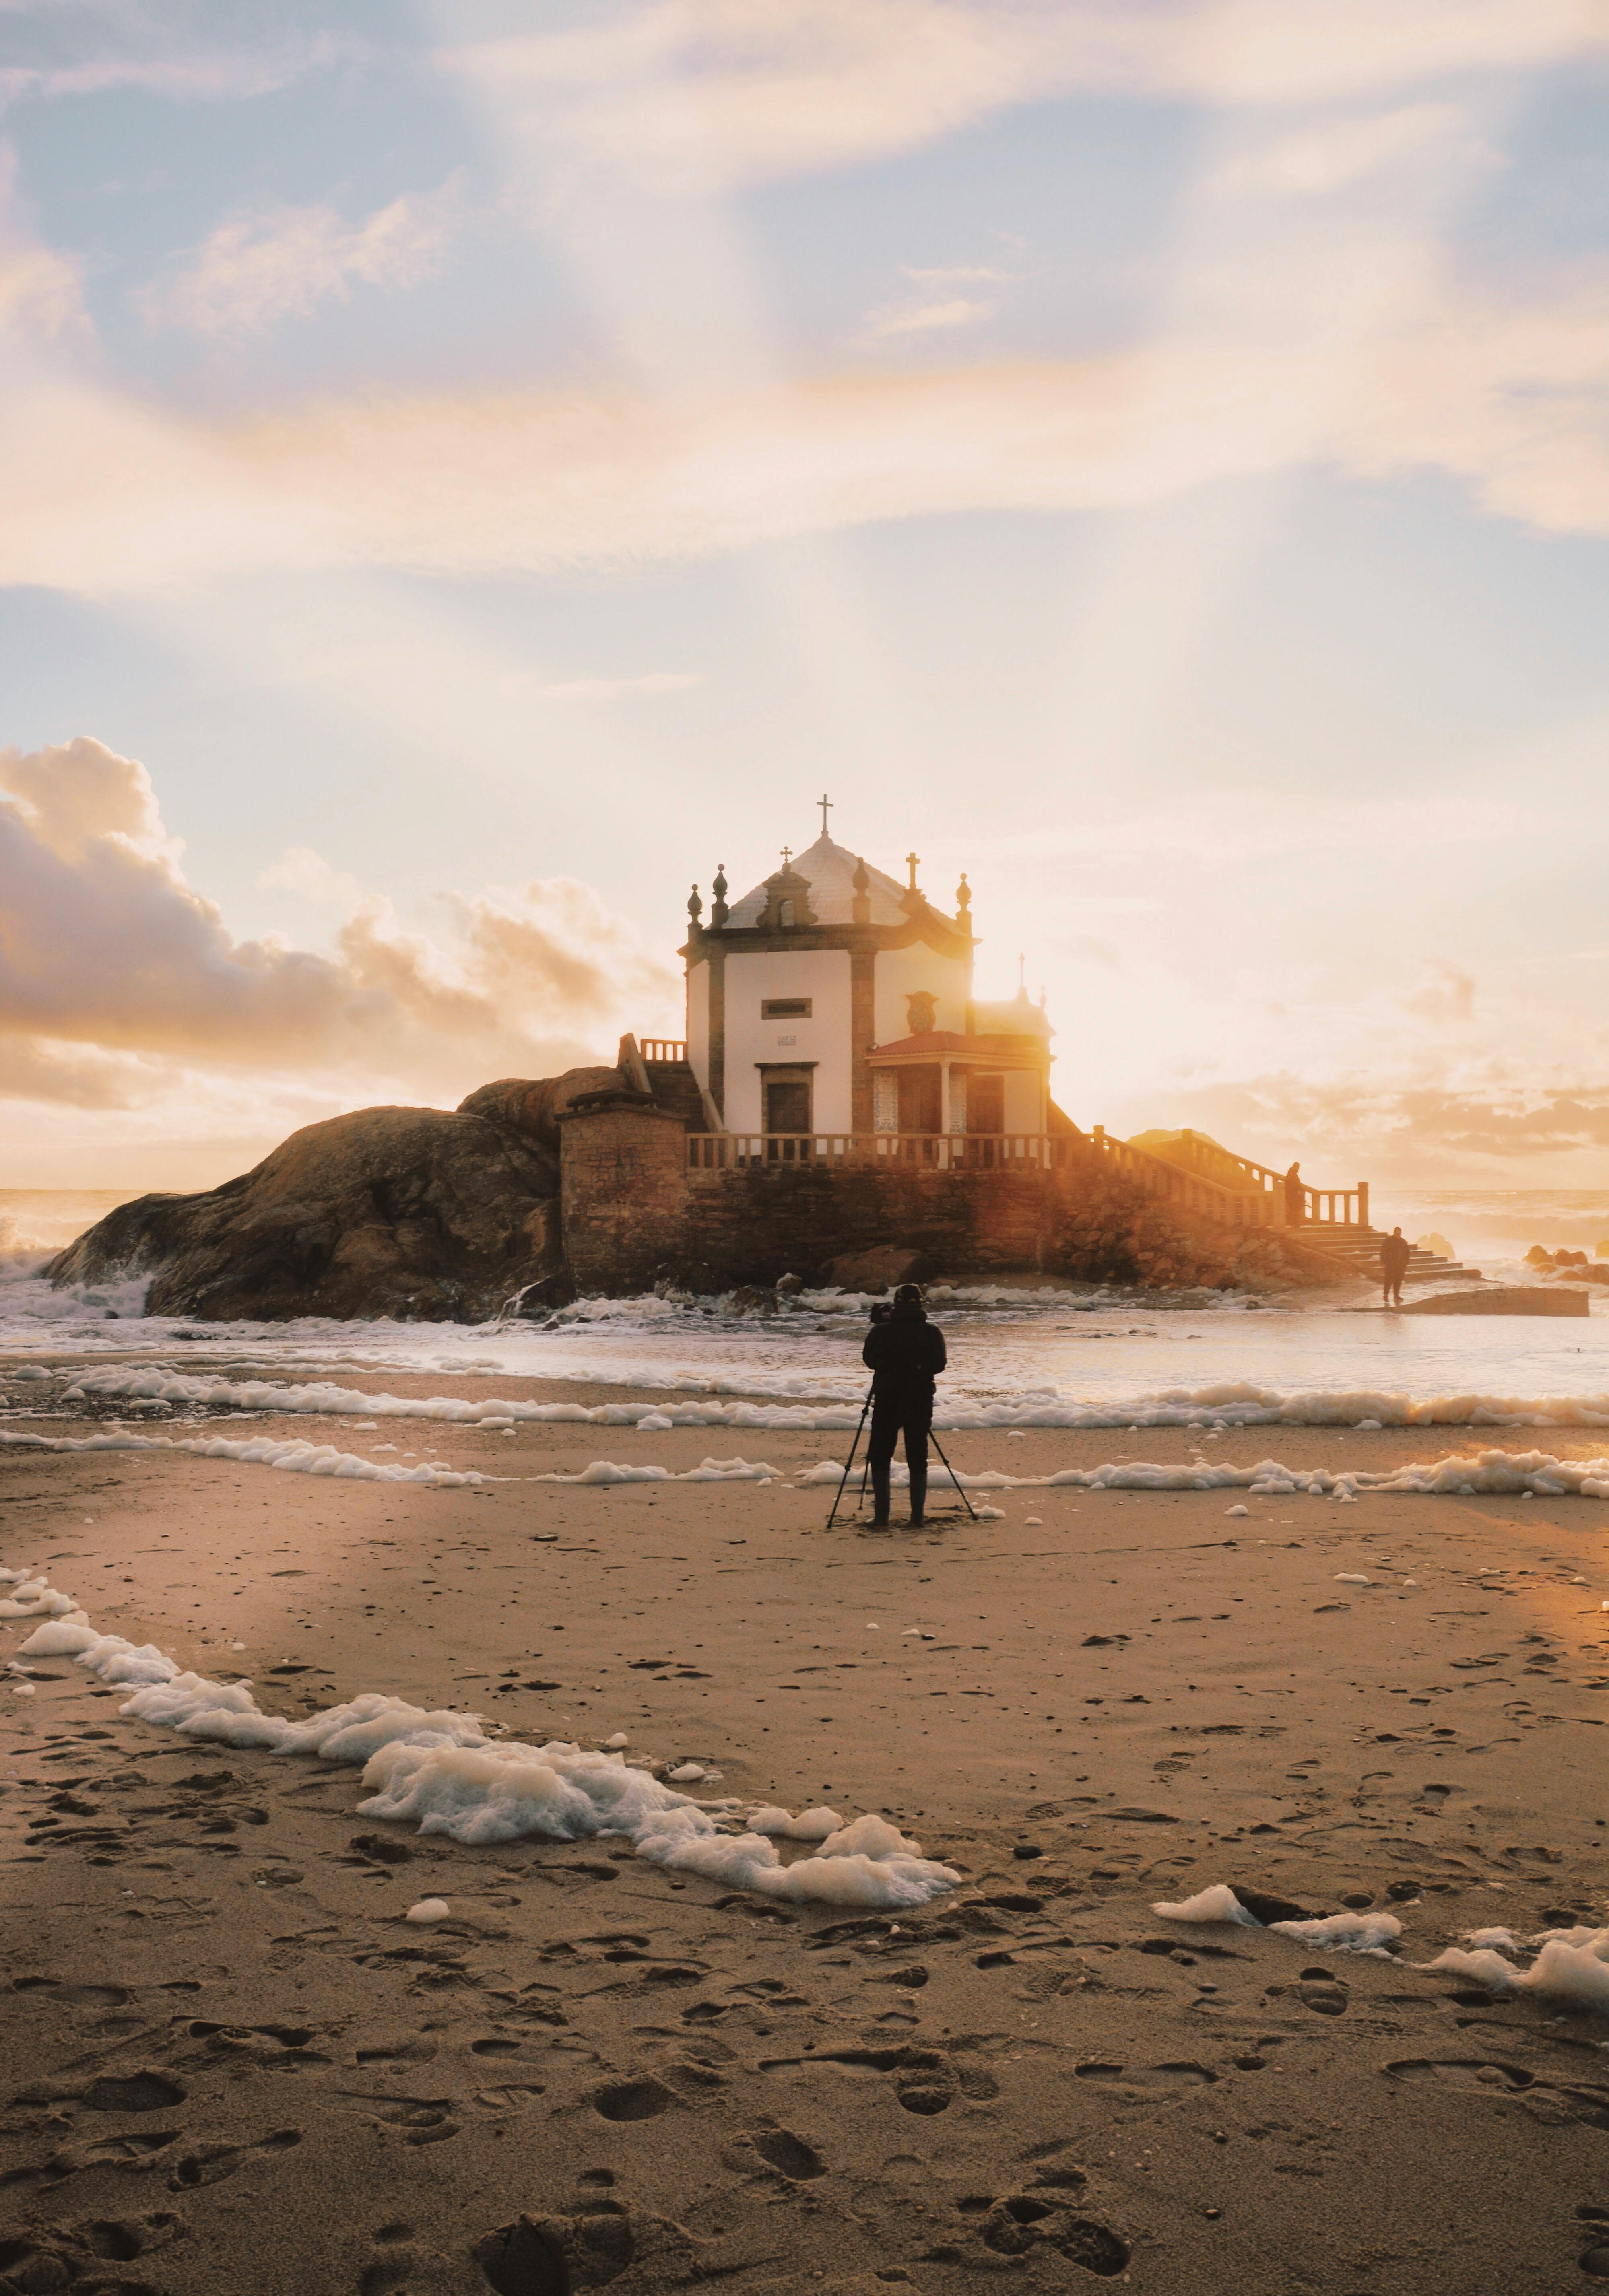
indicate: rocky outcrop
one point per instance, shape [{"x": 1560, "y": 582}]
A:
[
  {"x": 534, "y": 1108},
  {"x": 880, "y": 1269},
  {"x": 409, "y": 1212}
]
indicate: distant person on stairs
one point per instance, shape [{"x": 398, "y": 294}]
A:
[
  {"x": 905, "y": 1354},
  {"x": 1296, "y": 1196},
  {"x": 1395, "y": 1251}
]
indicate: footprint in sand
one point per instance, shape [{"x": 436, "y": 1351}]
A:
[
  {"x": 1553, "y": 2102},
  {"x": 509, "y": 2097},
  {"x": 57, "y": 2257},
  {"x": 133, "y": 2150},
  {"x": 788, "y": 2155},
  {"x": 525, "y": 2260},
  {"x": 1323, "y": 1991},
  {"x": 212, "y": 2164},
  {"x": 418, "y": 2119},
  {"x": 384, "y": 1849},
  {"x": 633, "y": 2100},
  {"x": 398, "y": 2262},
  {"x": 1483, "y": 2072},
  {"x": 123, "y": 2238},
  {"x": 1184, "y": 2074},
  {"x": 1019, "y": 2222},
  {"x": 393, "y": 2266},
  {"x": 66, "y": 1995},
  {"x": 141, "y": 2092},
  {"x": 415, "y": 2050},
  {"x": 1593, "y": 2260},
  {"x": 551, "y": 2255}
]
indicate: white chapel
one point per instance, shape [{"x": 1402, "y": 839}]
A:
[{"x": 832, "y": 999}]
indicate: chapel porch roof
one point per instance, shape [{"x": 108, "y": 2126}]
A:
[{"x": 996, "y": 1052}]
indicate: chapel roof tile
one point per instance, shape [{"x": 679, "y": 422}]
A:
[{"x": 829, "y": 870}]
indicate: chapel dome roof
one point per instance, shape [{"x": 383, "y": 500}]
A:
[{"x": 829, "y": 870}]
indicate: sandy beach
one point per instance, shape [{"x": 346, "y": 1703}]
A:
[{"x": 231, "y": 2062}]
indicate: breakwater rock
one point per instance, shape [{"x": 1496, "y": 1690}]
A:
[{"x": 410, "y": 1212}]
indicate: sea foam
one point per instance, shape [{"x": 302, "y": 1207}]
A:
[{"x": 440, "y": 1772}]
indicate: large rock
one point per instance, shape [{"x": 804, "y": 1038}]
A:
[
  {"x": 1515, "y": 1301},
  {"x": 409, "y": 1212},
  {"x": 880, "y": 1270},
  {"x": 533, "y": 1109}
]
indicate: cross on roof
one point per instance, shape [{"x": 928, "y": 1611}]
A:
[
  {"x": 913, "y": 859},
  {"x": 787, "y": 855},
  {"x": 825, "y": 803}
]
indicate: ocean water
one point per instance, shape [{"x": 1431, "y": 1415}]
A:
[
  {"x": 1493, "y": 1228},
  {"x": 1090, "y": 1347},
  {"x": 47, "y": 1220}
]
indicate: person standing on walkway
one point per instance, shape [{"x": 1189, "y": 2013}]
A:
[
  {"x": 1295, "y": 1197},
  {"x": 905, "y": 1354},
  {"x": 1395, "y": 1250}
]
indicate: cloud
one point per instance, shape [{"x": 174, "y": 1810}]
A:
[
  {"x": 924, "y": 318},
  {"x": 75, "y": 1076},
  {"x": 956, "y": 274},
  {"x": 299, "y": 870},
  {"x": 607, "y": 689},
  {"x": 1244, "y": 827},
  {"x": 693, "y": 96},
  {"x": 118, "y": 979},
  {"x": 1444, "y": 995},
  {"x": 41, "y": 288},
  {"x": 264, "y": 265},
  {"x": 103, "y": 493},
  {"x": 196, "y": 75},
  {"x": 1421, "y": 1134},
  {"x": 1331, "y": 154},
  {"x": 1086, "y": 948}
]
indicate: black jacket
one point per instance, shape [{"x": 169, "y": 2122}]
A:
[{"x": 905, "y": 1353}]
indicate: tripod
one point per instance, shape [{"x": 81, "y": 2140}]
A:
[
  {"x": 849, "y": 1462},
  {"x": 955, "y": 1479}
]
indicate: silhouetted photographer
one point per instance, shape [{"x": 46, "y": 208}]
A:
[{"x": 905, "y": 1354}]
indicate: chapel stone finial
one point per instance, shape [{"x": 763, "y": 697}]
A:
[
  {"x": 860, "y": 908},
  {"x": 964, "y": 897},
  {"x": 718, "y": 912},
  {"x": 695, "y": 906}
]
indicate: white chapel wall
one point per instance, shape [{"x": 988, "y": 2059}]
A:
[
  {"x": 900, "y": 972},
  {"x": 823, "y": 975},
  {"x": 1024, "y": 1099},
  {"x": 698, "y": 1021}
]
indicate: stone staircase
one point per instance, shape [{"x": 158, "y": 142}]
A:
[
  {"x": 675, "y": 1089},
  {"x": 1356, "y": 1251}
]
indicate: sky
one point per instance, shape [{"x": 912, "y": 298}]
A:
[{"x": 467, "y": 471}]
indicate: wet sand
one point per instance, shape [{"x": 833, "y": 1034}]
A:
[{"x": 229, "y": 2062}]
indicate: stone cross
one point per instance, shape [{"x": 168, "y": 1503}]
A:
[
  {"x": 913, "y": 859},
  {"x": 787, "y": 855},
  {"x": 825, "y": 803}
]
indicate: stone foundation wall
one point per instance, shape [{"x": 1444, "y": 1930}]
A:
[
  {"x": 634, "y": 1214},
  {"x": 622, "y": 1194},
  {"x": 749, "y": 1227}
]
